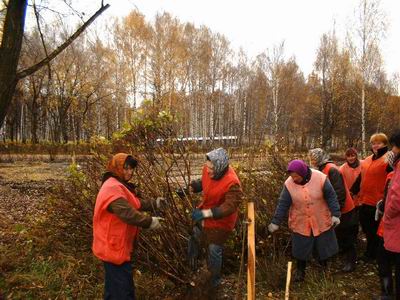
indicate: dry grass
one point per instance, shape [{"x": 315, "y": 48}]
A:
[
  {"x": 18, "y": 172},
  {"x": 45, "y": 251}
]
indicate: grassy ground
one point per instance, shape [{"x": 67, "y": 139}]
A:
[
  {"x": 361, "y": 284},
  {"x": 33, "y": 266}
]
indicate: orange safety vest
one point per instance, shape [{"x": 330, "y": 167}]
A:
[
  {"x": 348, "y": 202},
  {"x": 213, "y": 196},
  {"x": 380, "y": 227},
  {"x": 113, "y": 239},
  {"x": 350, "y": 175},
  {"x": 309, "y": 211},
  {"x": 373, "y": 177}
]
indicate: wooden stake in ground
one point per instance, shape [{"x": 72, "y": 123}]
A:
[
  {"x": 288, "y": 277},
  {"x": 251, "y": 253}
]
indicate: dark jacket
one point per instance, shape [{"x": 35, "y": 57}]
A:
[{"x": 336, "y": 179}]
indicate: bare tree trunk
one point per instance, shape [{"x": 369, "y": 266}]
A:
[
  {"x": 34, "y": 122},
  {"x": 363, "y": 118},
  {"x": 74, "y": 133},
  {"x": 22, "y": 125},
  {"x": 275, "y": 101},
  {"x": 11, "y": 44},
  {"x": 322, "y": 120},
  {"x": 13, "y": 32}
]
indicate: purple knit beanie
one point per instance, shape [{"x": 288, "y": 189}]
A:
[{"x": 298, "y": 166}]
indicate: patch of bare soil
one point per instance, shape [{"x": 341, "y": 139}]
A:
[{"x": 24, "y": 186}]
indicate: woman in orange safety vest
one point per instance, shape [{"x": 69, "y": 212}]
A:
[
  {"x": 314, "y": 211},
  {"x": 116, "y": 223},
  {"x": 216, "y": 215},
  {"x": 346, "y": 232},
  {"x": 370, "y": 186},
  {"x": 350, "y": 170}
]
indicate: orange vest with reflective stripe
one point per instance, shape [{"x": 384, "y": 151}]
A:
[
  {"x": 348, "y": 202},
  {"x": 113, "y": 239},
  {"x": 213, "y": 196},
  {"x": 373, "y": 177},
  {"x": 350, "y": 175},
  {"x": 309, "y": 212}
]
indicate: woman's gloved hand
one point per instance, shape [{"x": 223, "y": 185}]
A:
[
  {"x": 155, "y": 223},
  {"x": 273, "y": 227},
  {"x": 335, "y": 221},
  {"x": 200, "y": 214}
]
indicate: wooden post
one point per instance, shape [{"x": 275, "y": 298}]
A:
[
  {"x": 288, "y": 277},
  {"x": 251, "y": 253},
  {"x": 73, "y": 157}
]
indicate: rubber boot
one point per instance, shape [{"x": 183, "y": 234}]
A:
[
  {"x": 350, "y": 264},
  {"x": 386, "y": 289},
  {"x": 300, "y": 273},
  {"x": 324, "y": 265},
  {"x": 324, "y": 268}
]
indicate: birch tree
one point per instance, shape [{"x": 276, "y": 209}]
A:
[
  {"x": 275, "y": 61},
  {"x": 326, "y": 56},
  {"x": 367, "y": 34}
]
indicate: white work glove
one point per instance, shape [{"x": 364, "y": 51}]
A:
[
  {"x": 155, "y": 223},
  {"x": 207, "y": 213},
  {"x": 273, "y": 227},
  {"x": 378, "y": 210},
  {"x": 200, "y": 214},
  {"x": 335, "y": 221},
  {"x": 160, "y": 202}
]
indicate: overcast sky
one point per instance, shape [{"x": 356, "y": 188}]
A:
[{"x": 256, "y": 25}]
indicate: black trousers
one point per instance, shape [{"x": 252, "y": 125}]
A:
[
  {"x": 369, "y": 227},
  {"x": 119, "y": 283},
  {"x": 346, "y": 234},
  {"x": 386, "y": 260},
  {"x": 347, "y": 239}
]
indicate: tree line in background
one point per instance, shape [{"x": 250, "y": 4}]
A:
[{"x": 95, "y": 86}]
